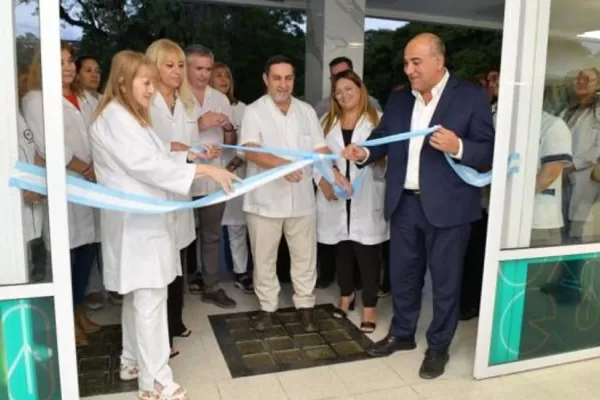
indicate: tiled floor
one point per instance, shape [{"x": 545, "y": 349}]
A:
[{"x": 202, "y": 370}]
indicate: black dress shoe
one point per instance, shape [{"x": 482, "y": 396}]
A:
[
  {"x": 263, "y": 321},
  {"x": 307, "y": 317},
  {"x": 434, "y": 364},
  {"x": 389, "y": 345},
  {"x": 219, "y": 298}
]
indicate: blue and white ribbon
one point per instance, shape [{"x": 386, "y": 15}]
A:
[{"x": 33, "y": 178}]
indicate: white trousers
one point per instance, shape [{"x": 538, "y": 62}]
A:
[
  {"x": 301, "y": 236},
  {"x": 239, "y": 247},
  {"x": 146, "y": 336}
]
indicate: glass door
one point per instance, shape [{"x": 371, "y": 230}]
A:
[
  {"x": 540, "y": 305},
  {"x": 37, "y": 353}
]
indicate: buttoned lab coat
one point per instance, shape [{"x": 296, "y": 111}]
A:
[
  {"x": 299, "y": 129},
  {"x": 367, "y": 223},
  {"x": 176, "y": 127},
  {"x": 139, "y": 250},
  {"x": 234, "y": 214},
  {"x": 32, "y": 213},
  {"x": 82, "y": 226}
]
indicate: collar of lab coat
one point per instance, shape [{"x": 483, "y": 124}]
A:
[
  {"x": 361, "y": 132},
  {"x": 159, "y": 101}
]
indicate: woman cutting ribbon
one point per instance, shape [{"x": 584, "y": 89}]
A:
[
  {"x": 140, "y": 251},
  {"x": 355, "y": 226}
]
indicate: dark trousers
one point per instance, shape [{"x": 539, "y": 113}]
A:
[
  {"x": 208, "y": 238},
  {"x": 82, "y": 260},
  {"x": 385, "y": 264},
  {"x": 175, "y": 301},
  {"x": 350, "y": 255},
  {"x": 415, "y": 245},
  {"x": 470, "y": 293},
  {"x": 326, "y": 262}
]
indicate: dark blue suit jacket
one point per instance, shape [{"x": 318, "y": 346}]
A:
[{"x": 446, "y": 200}]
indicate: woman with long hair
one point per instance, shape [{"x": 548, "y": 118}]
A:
[
  {"x": 172, "y": 118},
  {"x": 233, "y": 218},
  {"x": 355, "y": 226},
  {"x": 140, "y": 250},
  {"x": 83, "y": 234}
]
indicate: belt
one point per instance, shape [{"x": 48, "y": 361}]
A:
[{"x": 412, "y": 192}]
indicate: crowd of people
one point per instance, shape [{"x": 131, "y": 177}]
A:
[{"x": 410, "y": 213}]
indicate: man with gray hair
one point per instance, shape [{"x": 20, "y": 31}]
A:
[{"x": 214, "y": 115}]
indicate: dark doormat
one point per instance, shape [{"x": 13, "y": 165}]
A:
[
  {"x": 286, "y": 346},
  {"x": 99, "y": 364}
]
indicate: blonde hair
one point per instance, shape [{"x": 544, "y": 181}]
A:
[
  {"x": 230, "y": 93},
  {"x": 336, "y": 112},
  {"x": 125, "y": 67},
  {"x": 34, "y": 74},
  {"x": 157, "y": 52}
]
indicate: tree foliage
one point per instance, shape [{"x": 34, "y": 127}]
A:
[{"x": 244, "y": 37}]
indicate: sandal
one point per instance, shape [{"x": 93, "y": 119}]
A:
[
  {"x": 368, "y": 327},
  {"x": 172, "y": 391},
  {"x": 129, "y": 372},
  {"x": 174, "y": 353},
  {"x": 196, "y": 286},
  {"x": 146, "y": 395},
  {"x": 340, "y": 313},
  {"x": 185, "y": 333}
]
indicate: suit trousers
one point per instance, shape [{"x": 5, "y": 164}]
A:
[
  {"x": 416, "y": 244},
  {"x": 146, "y": 336},
  {"x": 207, "y": 243},
  {"x": 300, "y": 234}
]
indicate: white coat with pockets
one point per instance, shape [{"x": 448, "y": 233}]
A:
[
  {"x": 367, "y": 223},
  {"x": 138, "y": 250},
  {"x": 32, "y": 213},
  {"x": 176, "y": 127},
  {"x": 82, "y": 226}
]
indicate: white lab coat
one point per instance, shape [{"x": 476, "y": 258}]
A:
[
  {"x": 367, "y": 224},
  {"x": 138, "y": 250},
  {"x": 33, "y": 214},
  {"x": 177, "y": 127},
  {"x": 82, "y": 227},
  {"x": 234, "y": 215}
]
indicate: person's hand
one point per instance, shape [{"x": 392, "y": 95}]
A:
[
  {"x": 294, "y": 177},
  {"x": 210, "y": 119},
  {"x": 342, "y": 181},
  {"x": 445, "y": 140},
  {"x": 354, "y": 153},
  {"x": 327, "y": 190},
  {"x": 211, "y": 151},
  {"x": 221, "y": 175},
  {"x": 89, "y": 173},
  {"x": 31, "y": 197}
]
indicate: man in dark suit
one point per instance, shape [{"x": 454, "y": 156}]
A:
[{"x": 429, "y": 207}]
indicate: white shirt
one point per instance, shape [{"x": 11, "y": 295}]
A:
[
  {"x": 555, "y": 146},
  {"x": 299, "y": 129},
  {"x": 421, "y": 118},
  {"x": 214, "y": 101}
]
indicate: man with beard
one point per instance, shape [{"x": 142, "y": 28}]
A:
[{"x": 287, "y": 205}]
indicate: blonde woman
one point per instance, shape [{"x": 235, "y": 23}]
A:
[
  {"x": 233, "y": 217},
  {"x": 172, "y": 114},
  {"x": 355, "y": 226},
  {"x": 139, "y": 250},
  {"x": 78, "y": 160}
]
